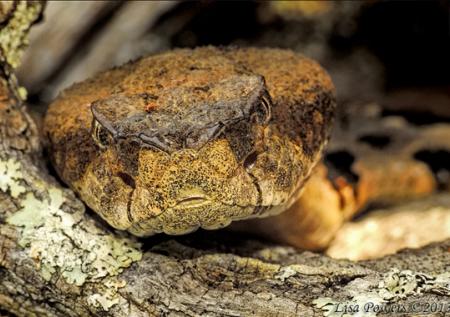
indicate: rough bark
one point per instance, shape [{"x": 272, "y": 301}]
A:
[{"x": 56, "y": 259}]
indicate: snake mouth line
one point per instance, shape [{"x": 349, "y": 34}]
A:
[{"x": 194, "y": 201}]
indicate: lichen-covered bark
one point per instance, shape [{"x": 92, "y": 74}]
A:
[
  {"x": 43, "y": 226},
  {"x": 56, "y": 259}
]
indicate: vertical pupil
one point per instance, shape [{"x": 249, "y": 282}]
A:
[
  {"x": 263, "y": 111},
  {"x": 267, "y": 108}
]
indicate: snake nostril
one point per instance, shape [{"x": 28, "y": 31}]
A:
[
  {"x": 250, "y": 160},
  {"x": 127, "y": 179}
]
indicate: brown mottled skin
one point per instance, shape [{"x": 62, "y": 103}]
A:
[{"x": 192, "y": 138}]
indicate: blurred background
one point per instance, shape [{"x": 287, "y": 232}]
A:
[{"x": 391, "y": 54}]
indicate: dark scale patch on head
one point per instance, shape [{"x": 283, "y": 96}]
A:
[
  {"x": 241, "y": 139},
  {"x": 128, "y": 154},
  {"x": 298, "y": 119},
  {"x": 323, "y": 107}
]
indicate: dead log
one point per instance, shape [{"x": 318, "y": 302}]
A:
[{"x": 56, "y": 259}]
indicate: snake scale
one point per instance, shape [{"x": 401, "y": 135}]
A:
[{"x": 192, "y": 138}]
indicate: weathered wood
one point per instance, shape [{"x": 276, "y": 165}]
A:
[
  {"x": 392, "y": 229},
  {"x": 56, "y": 259},
  {"x": 54, "y": 42},
  {"x": 64, "y": 51}
]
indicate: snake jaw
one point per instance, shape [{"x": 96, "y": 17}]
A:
[
  {"x": 191, "y": 197},
  {"x": 192, "y": 202}
]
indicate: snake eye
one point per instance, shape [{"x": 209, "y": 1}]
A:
[
  {"x": 263, "y": 111},
  {"x": 266, "y": 103},
  {"x": 100, "y": 135}
]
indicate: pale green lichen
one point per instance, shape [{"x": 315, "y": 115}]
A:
[
  {"x": 23, "y": 94},
  {"x": 400, "y": 284},
  {"x": 395, "y": 285},
  {"x": 285, "y": 272},
  {"x": 109, "y": 297},
  {"x": 13, "y": 35},
  {"x": 60, "y": 242},
  {"x": 72, "y": 246},
  {"x": 10, "y": 176}
]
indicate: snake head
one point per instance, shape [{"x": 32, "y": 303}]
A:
[{"x": 191, "y": 138}]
